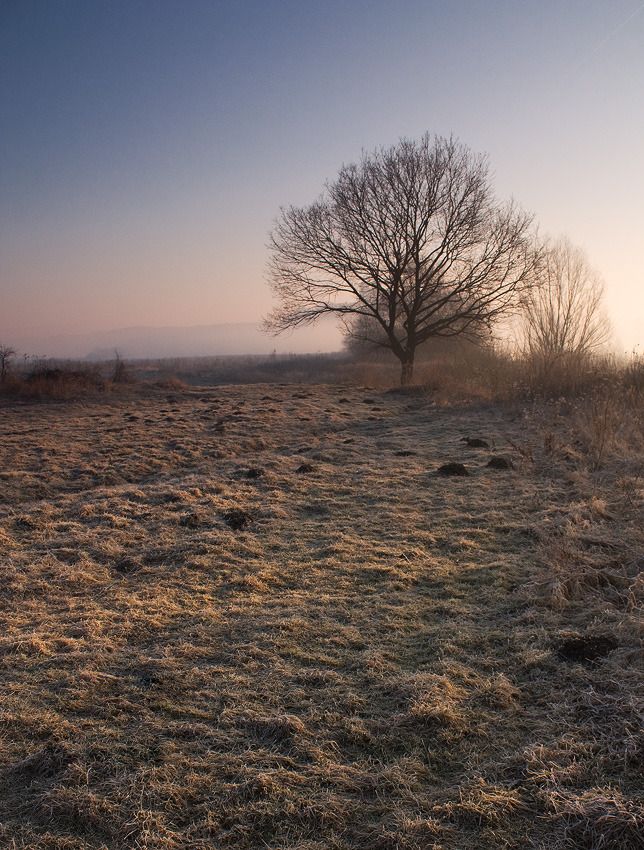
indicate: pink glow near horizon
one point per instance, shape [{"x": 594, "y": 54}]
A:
[{"x": 144, "y": 163}]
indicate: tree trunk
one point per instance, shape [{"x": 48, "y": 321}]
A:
[{"x": 407, "y": 371}]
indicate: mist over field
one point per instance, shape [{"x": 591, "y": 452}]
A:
[
  {"x": 197, "y": 341},
  {"x": 321, "y": 425}
]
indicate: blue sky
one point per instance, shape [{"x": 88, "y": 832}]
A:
[{"x": 145, "y": 147}]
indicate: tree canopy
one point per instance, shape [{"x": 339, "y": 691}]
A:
[{"x": 411, "y": 242}]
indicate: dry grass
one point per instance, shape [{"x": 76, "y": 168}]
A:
[
  {"x": 371, "y": 661},
  {"x": 56, "y": 381}
]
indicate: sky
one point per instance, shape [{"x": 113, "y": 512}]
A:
[{"x": 146, "y": 147}]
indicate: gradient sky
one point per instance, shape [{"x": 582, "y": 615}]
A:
[{"x": 145, "y": 147}]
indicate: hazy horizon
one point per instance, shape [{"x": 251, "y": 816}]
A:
[
  {"x": 172, "y": 341},
  {"x": 146, "y": 151}
]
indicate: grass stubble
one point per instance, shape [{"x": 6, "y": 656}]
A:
[{"x": 256, "y": 617}]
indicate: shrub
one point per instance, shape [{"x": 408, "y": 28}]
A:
[{"x": 54, "y": 382}]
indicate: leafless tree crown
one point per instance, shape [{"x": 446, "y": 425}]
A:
[
  {"x": 564, "y": 314},
  {"x": 411, "y": 238}
]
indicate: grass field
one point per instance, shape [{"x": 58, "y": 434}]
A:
[{"x": 256, "y": 617}]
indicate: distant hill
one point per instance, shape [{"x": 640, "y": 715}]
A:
[{"x": 195, "y": 341}]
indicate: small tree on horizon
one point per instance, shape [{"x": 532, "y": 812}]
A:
[{"x": 411, "y": 242}]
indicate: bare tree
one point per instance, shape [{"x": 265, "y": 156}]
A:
[
  {"x": 6, "y": 356},
  {"x": 563, "y": 316},
  {"x": 411, "y": 238}
]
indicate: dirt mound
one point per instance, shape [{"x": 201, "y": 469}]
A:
[
  {"x": 237, "y": 519},
  {"x": 498, "y": 462},
  {"x": 127, "y": 565},
  {"x": 452, "y": 469},
  {"x": 305, "y": 468},
  {"x": 586, "y": 649},
  {"x": 475, "y": 442}
]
